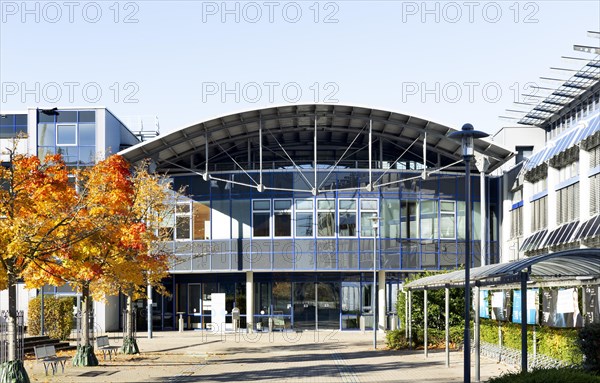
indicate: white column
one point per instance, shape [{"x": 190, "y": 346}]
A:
[
  {"x": 249, "y": 301},
  {"x": 381, "y": 314},
  {"x": 584, "y": 185},
  {"x": 527, "y": 208},
  {"x": 552, "y": 198},
  {"x": 482, "y": 165}
]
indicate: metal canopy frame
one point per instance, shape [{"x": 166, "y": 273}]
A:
[
  {"x": 307, "y": 138},
  {"x": 564, "y": 95},
  {"x": 561, "y": 269}
]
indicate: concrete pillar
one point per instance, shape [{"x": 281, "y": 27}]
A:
[
  {"x": 249, "y": 301},
  {"x": 382, "y": 312}
]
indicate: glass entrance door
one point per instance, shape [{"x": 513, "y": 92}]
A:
[
  {"x": 316, "y": 305},
  {"x": 328, "y": 304},
  {"x": 304, "y": 305},
  {"x": 194, "y": 306}
]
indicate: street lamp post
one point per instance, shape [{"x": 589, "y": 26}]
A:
[
  {"x": 375, "y": 226},
  {"x": 466, "y": 135}
]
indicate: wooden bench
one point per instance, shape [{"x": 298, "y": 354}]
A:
[
  {"x": 47, "y": 355},
  {"x": 102, "y": 342}
]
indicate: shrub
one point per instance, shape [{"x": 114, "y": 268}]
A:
[
  {"x": 557, "y": 343},
  {"x": 588, "y": 340},
  {"x": 58, "y": 316},
  {"x": 553, "y": 375},
  {"x": 396, "y": 340}
]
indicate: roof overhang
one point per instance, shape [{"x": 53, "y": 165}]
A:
[{"x": 293, "y": 126}]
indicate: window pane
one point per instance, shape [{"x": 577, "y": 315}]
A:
[
  {"x": 304, "y": 224},
  {"x": 64, "y": 116},
  {"x": 46, "y": 135},
  {"x": 283, "y": 225},
  {"x": 447, "y": 206},
  {"x": 66, "y": 134},
  {"x": 366, "y": 225},
  {"x": 183, "y": 227},
  {"x": 262, "y": 205},
  {"x": 282, "y": 204},
  {"x": 201, "y": 214},
  {"x": 448, "y": 226},
  {"x": 21, "y": 119},
  {"x": 326, "y": 204},
  {"x": 326, "y": 222},
  {"x": 87, "y": 134},
  {"x": 87, "y": 155},
  {"x": 304, "y": 204},
  {"x": 183, "y": 208},
  {"x": 347, "y": 224},
  {"x": 87, "y": 116},
  {"x": 368, "y": 204},
  {"x": 346, "y": 204},
  {"x": 261, "y": 224}
]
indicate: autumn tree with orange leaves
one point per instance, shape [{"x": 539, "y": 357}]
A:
[
  {"x": 38, "y": 208},
  {"x": 120, "y": 208}
]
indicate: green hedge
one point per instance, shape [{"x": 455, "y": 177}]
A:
[
  {"x": 58, "y": 316},
  {"x": 396, "y": 339},
  {"x": 589, "y": 342},
  {"x": 553, "y": 375},
  {"x": 557, "y": 343}
]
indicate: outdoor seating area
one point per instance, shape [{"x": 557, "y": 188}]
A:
[{"x": 46, "y": 355}]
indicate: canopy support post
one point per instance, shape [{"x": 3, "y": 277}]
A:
[
  {"x": 447, "y": 325},
  {"x": 524, "y": 275}
]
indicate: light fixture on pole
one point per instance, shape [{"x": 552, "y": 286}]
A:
[
  {"x": 375, "y": 226},
  {"x": 466, "y": 135}
]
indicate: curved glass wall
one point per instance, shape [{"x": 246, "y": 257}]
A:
[{"x": 224, "y": 226}]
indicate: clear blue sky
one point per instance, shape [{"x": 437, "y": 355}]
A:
[{"x": 450, "y": 62}]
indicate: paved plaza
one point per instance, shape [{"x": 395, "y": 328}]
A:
[{"x": 324, "y": 356}]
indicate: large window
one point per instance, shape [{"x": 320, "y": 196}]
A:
[
  {"x": 595, "y": 194},
  {"x": 516, "y": 222},
  {"x": 283, "y": 217},
  {"x": 304, "y": 217},
  {"x": 368, "y": 210},
  {"x": 261, "y": 214},
  {"x": 347, "y": 218},
  {"x": 183, "y": 220},
  {"x": 447, "y": 219},
  {"x": 567, "y": 204},
  {"x": 69, "y": 133},
  {"x": 539, "y": 214},
  {"x": 408, "y": 219},
  {"x": 325, "y": 217},
  {"x": 429, "y": 219}
]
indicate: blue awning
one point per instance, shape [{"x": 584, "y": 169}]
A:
[
  {"x": 534, "y": 241},
  {"x": 568, "y": 139},
  {"x": 590, "y": 228}
]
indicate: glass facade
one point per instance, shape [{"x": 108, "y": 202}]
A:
[
  {"x": 13, "y": 125},
  {"x": 70, "y": 133},
  {"x": 220, "y": 226}
]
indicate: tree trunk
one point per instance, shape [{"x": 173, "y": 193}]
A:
[
  {"x": 129, "y": 342},
  {"x": 12, "y": 370},
  {"x": 85, "y": 350}
]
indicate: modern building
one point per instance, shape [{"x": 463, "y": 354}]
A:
[
  {"x": 278, "y": 211},
  {"x": 278, "y": 205},
  {"x": 552, "y": 198}
]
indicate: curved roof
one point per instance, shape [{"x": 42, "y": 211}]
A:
[
  {"x": 559, "y": 266},
  {"x": 288, "y": 131}
]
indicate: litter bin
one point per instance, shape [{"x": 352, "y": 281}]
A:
[
  {"x": 235, "y": 318},
  {"x": 392, "y": 321}
]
